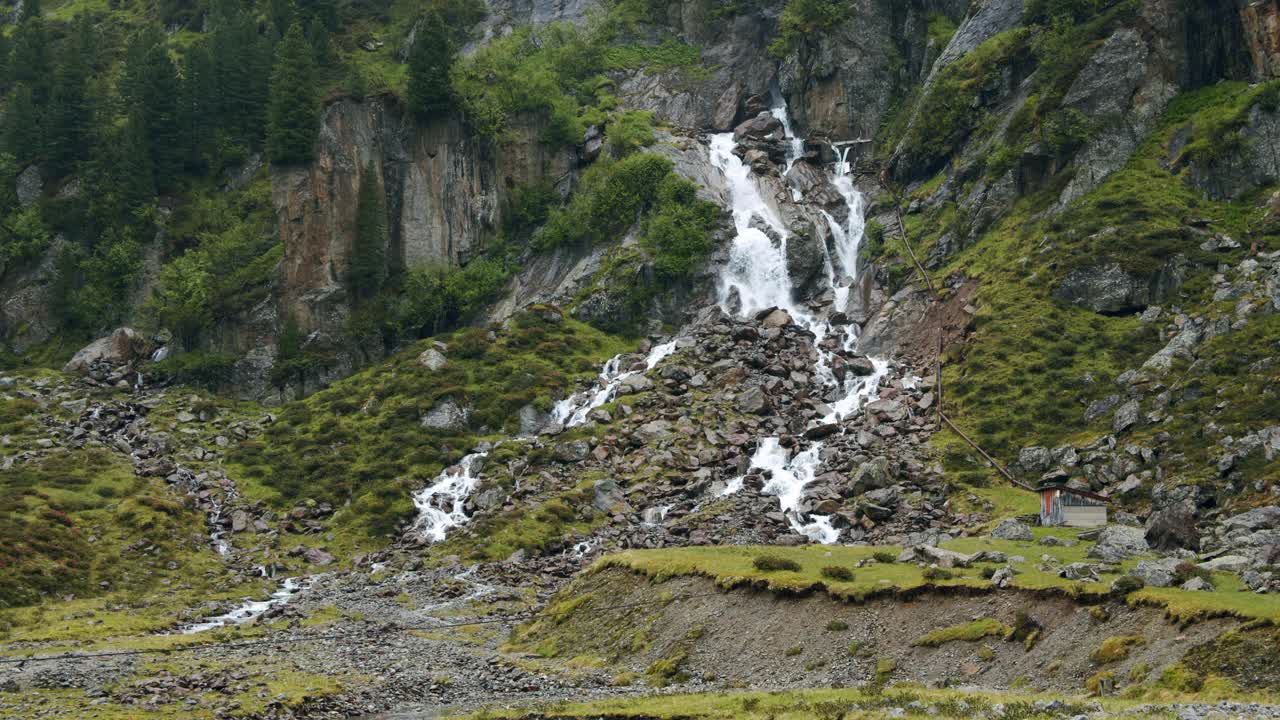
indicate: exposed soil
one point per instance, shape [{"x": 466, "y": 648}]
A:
[{"x": 752, "y": 636}]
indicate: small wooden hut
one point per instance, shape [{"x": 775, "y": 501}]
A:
[{"x": 1065, "y": 506}]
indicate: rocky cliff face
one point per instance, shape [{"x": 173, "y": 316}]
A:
[{"x": 444, "y": 189}]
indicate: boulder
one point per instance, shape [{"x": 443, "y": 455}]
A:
[
  {"x": 1126, "y": 416},
  {"x": 1263, "y": 518},
  {"x": 1119, "y": 542},
  {"x": 779, "y": 318},
  {"x": 608, "y": 498},
  {"x": 1010, "y": 529},
  {"x": 1156, "y": 573},
  {"x": 945, "y": 558},
  {"x": 121, "y": 347},
  {"x": 1198, "y": 584},
  {"x": 1228, "y": 563},
  {"x": 446, "y": 415},
  {"x": 432, "y": 359},
  {"x": 317, "y": 556},
  {"x": 1084, "y": 572},
  {"x": 753, "y": 401}
]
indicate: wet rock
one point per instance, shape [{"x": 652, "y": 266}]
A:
[
  {"x": 778, "y": 318},
  {"x": 1011, "y": 529}
]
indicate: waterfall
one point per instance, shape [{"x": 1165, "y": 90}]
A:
[
  {"x": 451, "y": 490},
  {"x": 756, "y": 278},
  {"x": 573, "y": 410},
  {"x": 250, "y": 610}
]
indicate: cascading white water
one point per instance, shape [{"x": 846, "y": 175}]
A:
[
  {"x": 250, "y": 610},
  {"x": 756, "y": 278},
  {"x": 451, "y": 490},
  {"x": 573, "y": 410}
]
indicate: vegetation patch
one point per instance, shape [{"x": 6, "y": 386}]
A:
[
  {"x": 968, "y": 632},
  {"x": 1116, "y": 648}
]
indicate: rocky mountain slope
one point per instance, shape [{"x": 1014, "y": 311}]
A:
[{"x": 738, "y": 388}]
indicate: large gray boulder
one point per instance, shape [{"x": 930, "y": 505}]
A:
[
  {"x": 1010, "y": 529},
  {"x": 1157, "y": 573},
  {"x": 446, "y": 415},
  {"x": 1119, "y": 542},
  {"x": 121, "y": 347}
]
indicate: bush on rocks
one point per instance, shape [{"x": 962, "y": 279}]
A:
[
  {"x": 837, "y": 572},
  {"x": 773, "y": 563}
]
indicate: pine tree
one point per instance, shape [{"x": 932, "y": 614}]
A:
[
  {"x": 368, "y": 249},
  {"x": 283, "y": 14},
  {"x": 30, "y": 64},
  {"x": 293, "y": 116},
  {"x": 68, "y": 118},
  {"x": 199, "y": 108},
  {"x": 30, "y": 9},
  {"x": 241, "y": 65},
  {"x": 318, "y": 36},
  {"x": 151, "y": 83},
  {"x": 429, "y": 60},
  {"x": 22, "y": 126}
]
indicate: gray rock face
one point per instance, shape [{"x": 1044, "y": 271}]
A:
[
  {"x": 1256, "y": 163},
  {"x": 30, "y": 185},
  {"x": 1109, "y": 289},
  {"x": 1106, "y": 85},
  {"x": 1263, "y": 518},
  {"x": 1011, "y": 529},
  {"x": 446, "y": 415},
  {"x": 531, "y": 420},
  {"x": 1119, "y": 542}
]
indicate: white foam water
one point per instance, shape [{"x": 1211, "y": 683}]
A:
[
  {"x": 756, "y": 278},
  {"x": 440, "y": 506},
  {"x": 573, "y": 410},
  {"x": 251, "y": 609}
]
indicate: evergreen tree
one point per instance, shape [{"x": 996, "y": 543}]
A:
[
  {"x": 30, "y": 64},
  {"x": 68, "y": 118},
  {"x": 368, "y": 249},
  {"x": 22, "y": 126},
  {"x": 199, "y": 108},
  {"x": 323, "y": 11},
  {"x": 293, "y": 112},
  {"x": 30, "y": 9},
  {"x": 429, "y": 61},
  {"x": 241, "y": 65},
  {"x": 151, "y": 84},
  {"x": 283, "y": 14},
  {"x": 318, "y": 36}
]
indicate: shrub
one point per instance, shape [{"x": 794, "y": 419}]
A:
[
  {"x": 837, "y": 626},
  {"x": 1188, "y": 570},
  {"x": 1101, "y": 684},
  {"x": 837, "y": 572},
  {"x": 883, "y": 556},
  {"x": 1116, "y": 648},
  {"x": 1127, "y": 584},
  {"x": 803, "y": 18},
  {"x": 773, "y": 563},
  {"x": 206, "y": 369},
  {"x": 1025, "y": 629},
  {"x": 936, "y": 573},
  {"x": 794, "y": 650}
]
